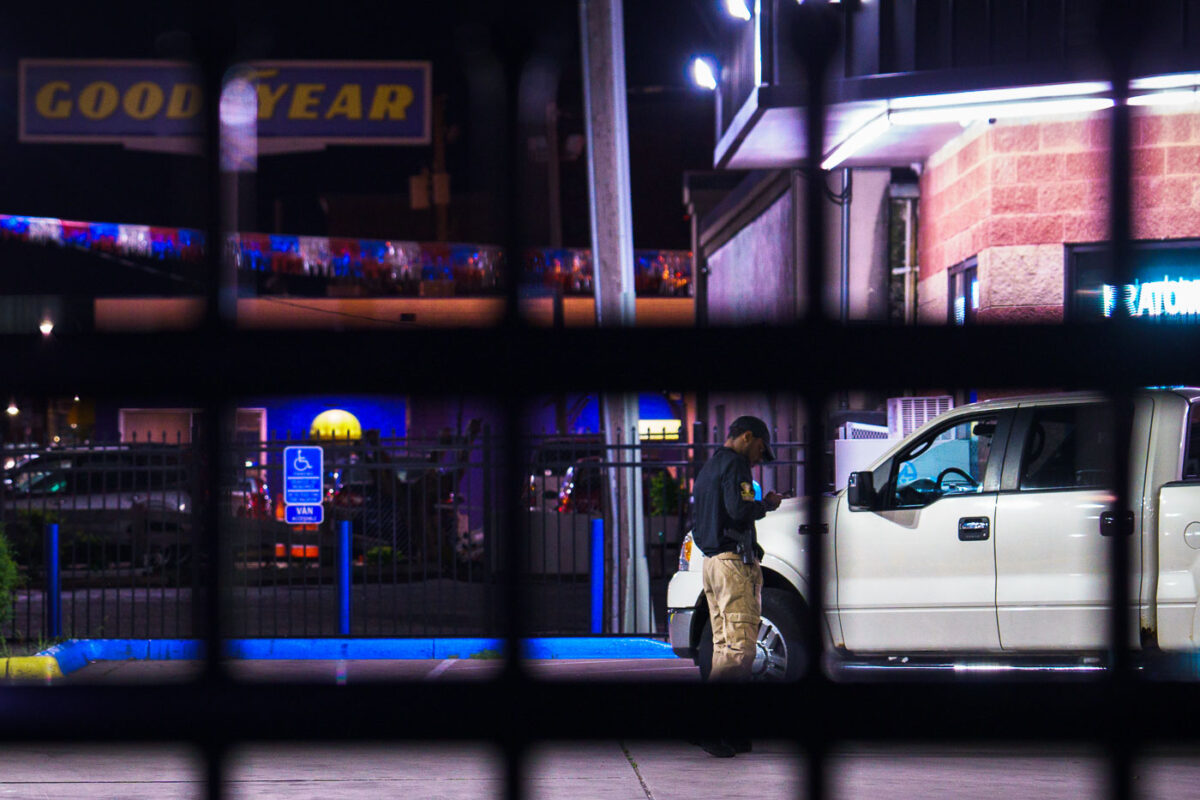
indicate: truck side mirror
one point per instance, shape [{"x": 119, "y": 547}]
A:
[{"x": 860, "y": 491}]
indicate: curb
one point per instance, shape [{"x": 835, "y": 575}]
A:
[
  {"x": 27, "y": 668},
  {"x": 75, "y": 654}
]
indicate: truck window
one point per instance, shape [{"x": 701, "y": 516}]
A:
[
  {"x": 949, "y": 461},
  {"x": 1191, "y": 461},
  {"x": 1068, "y": 447}
]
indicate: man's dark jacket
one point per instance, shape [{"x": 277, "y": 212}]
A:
[{"x": 724, "y": 505}]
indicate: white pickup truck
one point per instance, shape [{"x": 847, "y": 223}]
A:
[{"x": 986, "y": 533}]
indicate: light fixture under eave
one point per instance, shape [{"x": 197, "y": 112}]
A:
[
  {"x": 1033, "y": 108},
  {"x": 1179, "y": 97},
  {"x": 12, "y": 409},
  {"x": 1006, "y": 95},
  {"x": 46, "y": 327},
  {"x": 1188, "y": 79},
  {"x": 856, "y": 141},
  {"x": 738, "y": 9},
  {"x": 704, "y": 74}
]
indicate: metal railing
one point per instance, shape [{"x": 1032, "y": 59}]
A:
[
  {"x": 566, "y": 487},
  {"x": 421, "y": 536}
]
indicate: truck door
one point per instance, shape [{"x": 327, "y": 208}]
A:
[
  {"x": 1052, "y": 559},
  {"x": 918, "y": 573}
]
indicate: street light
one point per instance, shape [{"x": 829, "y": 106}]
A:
[
  {"x": 46, "y": 327},
  {"x": 704, "y": 73},
  {"x": 738, "y": 9},
  {"x": 12, "y": 409}
]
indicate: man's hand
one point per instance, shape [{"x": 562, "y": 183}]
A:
[{"x": 772, "y": 500}]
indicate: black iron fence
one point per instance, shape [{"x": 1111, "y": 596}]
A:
[
  {"x": 421, "y": 514},
  {"x": 418, "y": 511},
  {"x": 567, "y": 487},
  {"x": 422, "y": 536},
  {"x": 122, "y": 516}
]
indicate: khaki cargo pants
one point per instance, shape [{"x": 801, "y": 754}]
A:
[{"x": 734, "y": 594}]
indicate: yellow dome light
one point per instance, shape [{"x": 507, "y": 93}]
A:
[{"x": 335, "y": 424}]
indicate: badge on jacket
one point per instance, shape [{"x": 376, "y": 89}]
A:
[{"x": 747, "y": 491}]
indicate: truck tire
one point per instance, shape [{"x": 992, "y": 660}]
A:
[{"x": 780, "y": 654}]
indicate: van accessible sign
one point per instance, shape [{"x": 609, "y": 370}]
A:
[
  {"x": 303, "y": 471},
  {"x": 159, "y": 105}
]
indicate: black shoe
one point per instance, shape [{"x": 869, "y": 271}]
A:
[
  {"x": 740, "y": 745},
  {"x": 718, "y": 748}
]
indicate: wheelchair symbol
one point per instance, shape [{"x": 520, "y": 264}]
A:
[{"x": 301, "y": 463}]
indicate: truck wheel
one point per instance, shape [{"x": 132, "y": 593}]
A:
[{"x": 780, "y": 655}]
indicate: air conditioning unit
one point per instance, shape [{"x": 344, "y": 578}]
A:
[
  {"x": 862, "y": 430},
  {"x": 906, "y": 414}
]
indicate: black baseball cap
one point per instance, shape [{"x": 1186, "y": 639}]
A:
[{"x": 757, "y": 427}]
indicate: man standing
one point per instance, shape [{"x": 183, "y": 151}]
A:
[{"x": 725, "y": 512}]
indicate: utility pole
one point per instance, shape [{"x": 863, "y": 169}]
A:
[
  {"x": 441, "y": 180},
  {"x": 553, "y": 175},
  {"x": 606, "y": 119}
]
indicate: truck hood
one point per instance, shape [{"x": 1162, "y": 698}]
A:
[{"x": 784, "y": 546}]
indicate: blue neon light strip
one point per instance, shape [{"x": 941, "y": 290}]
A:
[{"x": 78, "y": 653}]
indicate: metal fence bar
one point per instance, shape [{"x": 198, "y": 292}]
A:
[
  {"x": 344, "y": 577},
  {"x": 53, "y": 584}
]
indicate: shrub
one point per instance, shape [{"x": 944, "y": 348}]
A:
[
  {"x": 8, "y": 579},
  {"x": 382, "y": 555},
  {"x": 665, "y": 494}
]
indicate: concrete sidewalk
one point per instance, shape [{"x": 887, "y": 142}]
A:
[
  {"x": 585, "y": 771},
  {"x": 632, "y": 770}
]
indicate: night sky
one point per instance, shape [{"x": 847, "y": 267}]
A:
[{"x": 363, "y": 191}]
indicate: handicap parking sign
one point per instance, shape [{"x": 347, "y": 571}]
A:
[{"x": 303, "y": 468}]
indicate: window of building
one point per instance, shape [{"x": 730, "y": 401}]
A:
[{"x": 964, "y": 291}]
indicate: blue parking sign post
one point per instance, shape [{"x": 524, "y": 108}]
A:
[{"x": 303, "y": 468}]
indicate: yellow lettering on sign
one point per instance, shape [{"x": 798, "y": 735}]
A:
[
  {"x": 348, "y": 103},
  {"x": 184, "y": 102},
  {"x": 268, "y": 99},
  {"x": 303, "y": 100},
  {"x": 48, "y": 106},
  {"x": 143, "y": 100},
  {"x": 98, "y": 100},
  {"x": 391, "y": 101}
]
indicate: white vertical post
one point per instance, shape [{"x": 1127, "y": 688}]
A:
[{"x": 606, "y": 120}]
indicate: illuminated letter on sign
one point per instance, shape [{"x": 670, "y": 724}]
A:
[
  {"x": 392, "y": 100},
  {"x": 50, "y": 108},
  {"x": 267, "y": 100},
  {"x": 143, "y": 100},
  {"x": 303, "y": 100},
  {"x": 348, "y": 103},
  {"x": 98, "y": 100},
  {"x": 185, "y": 101}
]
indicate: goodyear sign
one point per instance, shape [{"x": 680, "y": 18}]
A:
[{"x": 160, "y": 104}]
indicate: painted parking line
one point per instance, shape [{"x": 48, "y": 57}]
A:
[{"x": 440, "y": 668}]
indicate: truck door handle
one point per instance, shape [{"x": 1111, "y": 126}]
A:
[
  {"x": 806, "y": 528},
  {"x": 973, "y": 529},
  {"x": 1108, "y": 524}
]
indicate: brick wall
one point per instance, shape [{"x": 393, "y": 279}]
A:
[{"x": 1014, "y": 193}]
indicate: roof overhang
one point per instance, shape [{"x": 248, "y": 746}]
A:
[{"x": 893, "y": 121}]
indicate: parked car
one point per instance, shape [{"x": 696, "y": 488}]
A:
[
  {"x": 251, "y": 498},
  {"x": 985, "y": 534},
  {"x": 137, "y": 497},
  {"x": 570, "y": 476}
]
